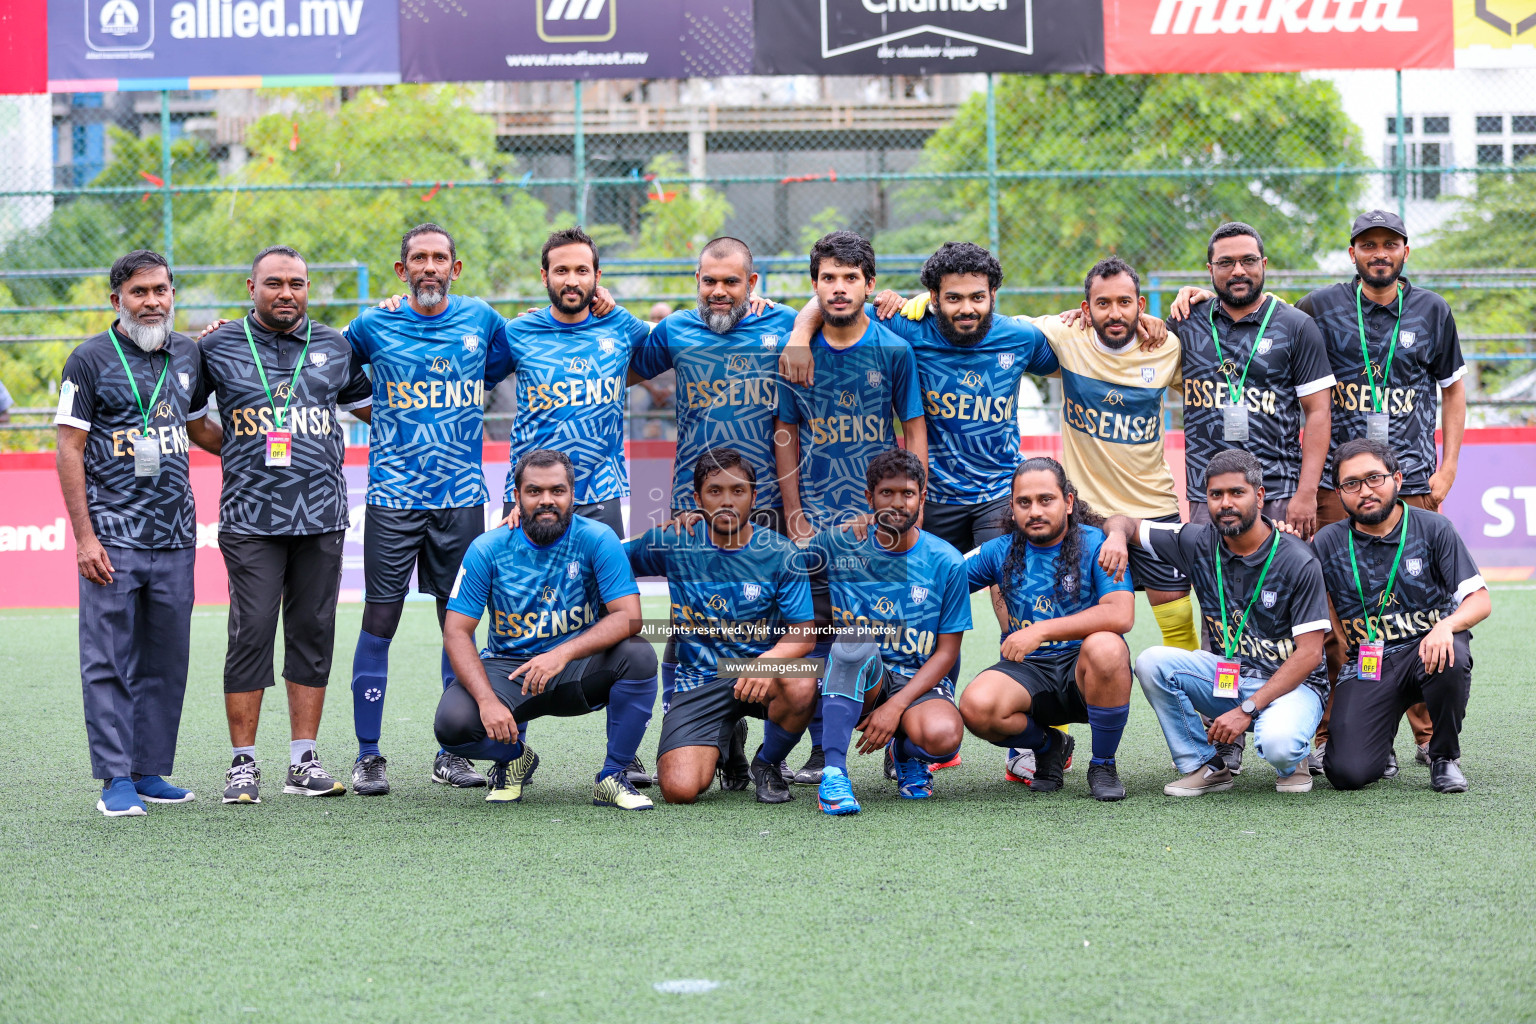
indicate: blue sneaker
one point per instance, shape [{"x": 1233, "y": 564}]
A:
[
  {"x": 120, "y": 800},
  {"x": 914, "y": 780},
  {"x": 835, "y": 794},
  {"x": 155, "y": 790}
]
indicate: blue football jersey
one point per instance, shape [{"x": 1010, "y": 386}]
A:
[
  {"x": 538, "y": 598},
  {"x": 848, "y": 417},
  {"x": 1031, "y": 594},
  {"x": 725, "y": 604},
  {"x": 970, "y": 395},
  {"x": 430, "y": 375},
  {"x": 909, "y": 598},
  {"x": 571, "y": 384},
  {"x": 727, "y": 391}
]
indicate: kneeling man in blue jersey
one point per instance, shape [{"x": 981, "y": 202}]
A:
[
  {"x": 899, "y": 606},
  {"x": 550, "y": 652},
  {"x": 739, "y": 593},
  {"x": 1064, "y": 658}
]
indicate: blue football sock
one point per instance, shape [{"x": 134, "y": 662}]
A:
[
  {"x": 814, "y": 730},
  {"x": 629, "y": 712},
  {"x": 668, "y": 683},
  {"x": 777, "y": 742},
  {"x": 906, "y": 750},
  {"x": 1108, "y": 724},
  {"x": 840, "y": 715},
  {"x": 491, "y": 750},
  {"x": 1035, "y": 737},
  {"x": 370, "y": 678}
]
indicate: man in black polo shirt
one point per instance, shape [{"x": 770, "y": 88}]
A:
[
  {"x": 1255, "y": 370},
  {"x": 127, "y": 402},
  {"x": 1261, "y": 593},
  {"x": 281, "y": 380},
  {"x": 1405, "y": 594}
]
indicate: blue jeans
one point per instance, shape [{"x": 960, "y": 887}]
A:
[{"x": 1178, "y": 685}]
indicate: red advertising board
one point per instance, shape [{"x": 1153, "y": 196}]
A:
[
  {"x": 23, "y": 47},
  {"x": 1157, "y": 36}
]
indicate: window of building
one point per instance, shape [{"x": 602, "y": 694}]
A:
[
  {"x": 1521, "y": 151},
  {"x": 1487, "y": 154},
  {"x": 1392, "y": 126},
  {"x": 1490, "y": 124},
  {"x": 1437, "y": 126},
  {"x": 1523, "y": 123}
]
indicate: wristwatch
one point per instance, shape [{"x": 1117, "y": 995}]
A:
[{"x": 1248, "y": 708}]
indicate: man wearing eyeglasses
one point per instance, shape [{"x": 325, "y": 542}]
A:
[
  {"x": 1404, "y": 594},
  {"x": 1255, "y": 371}
]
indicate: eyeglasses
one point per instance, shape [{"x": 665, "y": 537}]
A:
[
  {"x": 1373, "y": 481},
  {"x": 1227, "y": 262}
]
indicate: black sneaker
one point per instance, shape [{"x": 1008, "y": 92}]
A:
[
  {"x": 240, "y": 782},
  {"x": 735, "y": 771},
  {"x": 786, "y": 771},
  {"x": 458, "y": 772},
  {"x": 637, "y": 775},
  {"x": 309, "y": 778},
  {"x": 1050, "y": 765},
  {"x": 890, "y": 761},
  {"x": 770, "y": 784},
  {"x": 810, "y": 772},
  {"x": 1232, "y": 755},
  {"x": 1104, "y": 782},
  {"x": 368, "y": 776}
]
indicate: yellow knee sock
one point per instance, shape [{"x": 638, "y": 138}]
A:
[{"x": 1177, "y": 621}]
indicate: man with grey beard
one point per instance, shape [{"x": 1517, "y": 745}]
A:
[{"x": 132, "y": 402}]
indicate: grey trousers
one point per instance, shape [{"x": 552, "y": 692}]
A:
[{"x": 134, "y": 636}]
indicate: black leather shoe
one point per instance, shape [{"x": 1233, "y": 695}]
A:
[
  {"x": 735, "y": 771},
  {"x": 1050, "y": 765},
  {"x": 1445, "y": 775},
  {"x": 769, "y": 782},
  {"x": 1390, "y": 772}
]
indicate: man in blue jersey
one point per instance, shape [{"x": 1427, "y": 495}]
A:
[
  {"x": 739, "y": 593},
  {"x": 433, "y": 359},
  {"x": 564, "y": 614},
  {"x": 899, "y": 605},
  {"x": 1064, "y": 657}
]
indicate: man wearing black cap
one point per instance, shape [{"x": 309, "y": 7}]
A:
[{"x": 1391, "y": 347}]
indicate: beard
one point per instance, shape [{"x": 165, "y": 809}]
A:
[
  {"x": 946, "y": 327},
  {"x": 1251, "y": 297},
  {"x": 285, "y": 317},
  {"x": 845, "y": 320},
  {"x": 559, "y": 297},
  {"x": 545, "y": 531},
  {"x": 1245, "y": 521},
  {"x": 1373, "y": 275},
  {"x": 1378, "y": 515},
  {"x": 722, "y": 323},
  {"x": 1130, "y": 333},
  {"x": 895, "y": 520},
  {"x": 430, "y": 292},
  {"x": 149, "y": 337},
  {"x": 1057, "y": 531}
]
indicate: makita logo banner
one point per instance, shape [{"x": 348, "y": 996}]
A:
[{"x": 1142, "y": 36}]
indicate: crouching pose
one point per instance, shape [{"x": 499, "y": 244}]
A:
[
  {"x": 899, "y": 607},
  {"x": 740, "y": 593},
  {"x": 550, "y": 651},
  {"x": 1064, "y": 657}
]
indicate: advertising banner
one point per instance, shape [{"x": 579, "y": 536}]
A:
[
  {"x": 23, "y": 48},
  {"x": 104, "y": 45},
  {"x": 540, "y": 40},
  {"x": 1158, "y": 36},
  {"x": 1495, "y": 33},
  {"x": 925, "y": 37}
]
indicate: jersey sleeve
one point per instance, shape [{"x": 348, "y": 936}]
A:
[
  {"x": 1308, "y": 598},
  {"x": 793, "y": 398},
  {"x": 1448, "y": 365},
  {"x": 906, "y": 393},
  {"x": 360, "y": 337},
  {"x": 357, "y": 392},
  {"x": 637, "y": 330},
  {"x": 653, "y": 353},
  {"x": 1103, "y": 582},
  {"x": 1166, "y": 541},
  {"x": 1307, "y": 303},
  {"x": 611, "y": 567},
  {"x": 472, "y": 587},
  {"x": 201, "y": 386},
  {"x": 1042, "y": 360},
  {"x": 646, "y": 555},
  {"x": 794, "y": 596},
  {"x": 955, "y": 612},
  {"x": 498, "y": 352},
  {"x": 907, "y": 330},
  {"x": 1454, "y": 562},
  {"x": 1055, "y": 333},
  {"x": 77, "y": 393},
  {"x": 984, "y": 566},
  {"x": 1310, "y": 371}
]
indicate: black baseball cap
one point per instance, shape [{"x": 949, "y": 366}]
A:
[{"x": 1377, "y": 219}]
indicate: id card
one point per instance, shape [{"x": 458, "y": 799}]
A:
[
  {"x": 1226, "y": 679},
  {"x": 279, "y": 448},
  {"x": 146, "y": 455},
  {"x": 1369, "y": 666},
  {"x": 1376, "y": 426},
  {"x": 1234, "y": 423}
]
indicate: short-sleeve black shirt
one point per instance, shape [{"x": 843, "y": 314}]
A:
[
  {"x": 1428, "y": 357},
  {"x": 1291, "y": 602},
  {"x": 148, "y": 513},
  {"x": 1290, "y": 363},
  {"x": 310, "y": 496},
  {"x": 1436, "y": 573}
]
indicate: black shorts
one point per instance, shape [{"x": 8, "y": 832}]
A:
[
  {"x": 965, "y": 526},
  {"x": 1052, "y": 686},
  {"x": 606, "y": 512},
  {"x": 300, "y": 576},
  {"x": 892, "y": 683},
  {"x": 430, "y": 540},
  {"x": 704, "y": 716},
  {"x": 1149, "y": 572}
]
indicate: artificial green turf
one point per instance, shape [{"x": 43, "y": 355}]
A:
[{"x": 984, "y": 903}]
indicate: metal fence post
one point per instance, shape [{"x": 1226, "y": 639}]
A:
[
  {"x": 362, "y": 287},
  {"x": 579, "y": 157},
  {"x": 1402, "y": 155},
  {"x": 165, "y": 176},
  {"x": 993, "y": 239}
]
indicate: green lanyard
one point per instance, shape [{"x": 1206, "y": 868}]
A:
[
  {"x": 143, "y": 410},
  {"x": 1236, "y": 392},
  {"x": 1229, "y": 640},
  {"x": 1386, "y": 595},
  {"x": 281, "y": 414},
  {"x": 1386, "y": 369}
]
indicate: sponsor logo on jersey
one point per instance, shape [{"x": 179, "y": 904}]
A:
[
  {"x": 770, "y": 341},
  {"x": 471, "y": 342},
  {"x": 1269, "y": 597},
  {"x": 440, "y": 364},
  {"x": 317, "y": 358},
  {"x": 971, "y": 379},
  {"x": 1148, "y": 375},
  {"x": 606, "y": 346},
  {"x": 846, "y": 400},
  {"x": 1042, "y": 605},
  {"x": 716, "y": 603},
  {"x": 873, "y": 378},
  {"x": 283, "y": 390},
  {"x": 919, "y": 595},
  {"x": 1113, "y": 397},
  {"x": 751, "y": 591},
  {"x": 573, "y": 570},
  {"x": 578, "y": 365},
  {"x": 883, "y": 606},
  {"x": 738, "y": 363},
  {"x": 1415, "y": 566},
  {"x": 163, "y": 411},
  {"x": 1005, "y": 360},
  {"x": 185, "y": 379},
  {"x": 1265, "y": 344},
  {"x": 548, "y": 595},
  {"x": 1069, "y": 583},
  {"x": 1407, "y": 338}
]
